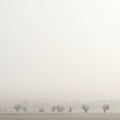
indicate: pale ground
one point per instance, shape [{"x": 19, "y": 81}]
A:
[{"x": 60, "y": 117}]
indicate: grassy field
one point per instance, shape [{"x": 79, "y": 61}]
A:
[{"x": 59, "y": 117}]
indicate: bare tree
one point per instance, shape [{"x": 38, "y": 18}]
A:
[
  {"x": 70, "y": 109},
  {"x": 41, "y": 109},
  {"x": 17, "y": 107},
  {"x": 106, "y": 107},
  {"x": 24, "y": 108},
  {"x": 0, "y": 109},
  {"x": 60, "y": 108},
  {"x": 85, "y": 108},
  {"x": 53, "y": 108}
]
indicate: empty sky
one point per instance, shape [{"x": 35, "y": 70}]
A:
[{"x": 68, "y": 49}]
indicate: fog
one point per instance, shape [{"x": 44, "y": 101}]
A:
[{"x": 60, "y": 49}]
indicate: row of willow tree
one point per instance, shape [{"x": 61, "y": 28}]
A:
[{"x": 59, "y": 108}]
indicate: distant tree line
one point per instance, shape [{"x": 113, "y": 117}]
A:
[{"x": 59, "y": 108}]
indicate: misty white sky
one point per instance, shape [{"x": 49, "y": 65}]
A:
[{"x": 68, "y": 49}]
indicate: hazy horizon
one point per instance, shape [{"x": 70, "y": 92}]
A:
[{"x": 64, "y": 49}]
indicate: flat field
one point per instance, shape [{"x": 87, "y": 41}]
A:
[{"x": 59, "y": 116}]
